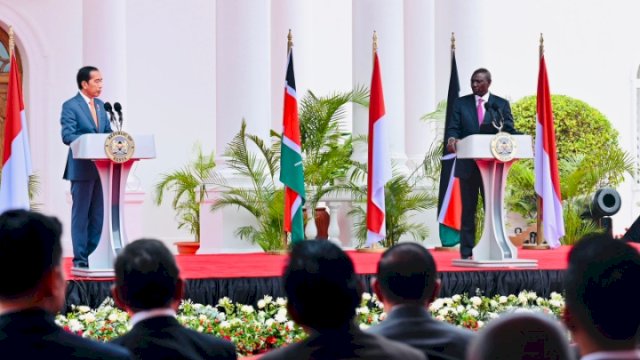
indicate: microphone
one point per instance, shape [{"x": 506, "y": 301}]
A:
[
  {"x": 118, "y": 109},
  {"x": 107, "y": 108},
  {"x": 496, "y": 108},
  {"x": 488, "y": 107}
]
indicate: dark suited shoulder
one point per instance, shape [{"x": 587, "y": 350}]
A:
[
  {"x": 414, "y": 326},
  {"x": 353, "y": 345},
  {"x": 33, "y": 334},
  {"x": 164, "y": 338}
]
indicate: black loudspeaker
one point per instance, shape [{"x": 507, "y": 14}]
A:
[{"x": 633, "y": 233}]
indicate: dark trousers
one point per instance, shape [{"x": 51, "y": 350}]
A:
[
  {"x": 470, "y": 187},
  {"x": 86, "y": 219}
]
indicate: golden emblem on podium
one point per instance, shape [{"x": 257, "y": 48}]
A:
[
  {"x": 119, "y": 147},
  {"x": 503, "y": 147}
]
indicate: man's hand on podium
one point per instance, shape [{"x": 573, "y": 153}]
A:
[{"x": 451, "y": 144}]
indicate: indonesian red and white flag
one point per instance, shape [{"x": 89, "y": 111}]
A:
[
  {"x": 546, "y": 163},
  {"x": 16, "y": 160},
  {"x": 379, "y": 171}
]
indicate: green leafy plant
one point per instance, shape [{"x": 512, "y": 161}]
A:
[
  {"x": 589, "y": 158},
  {"x": 261, "y": 197},
  {"x": 326, "y": 146},
  {"x": 189, "y": 190}
]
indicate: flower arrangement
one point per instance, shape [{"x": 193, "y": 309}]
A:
[{"x": 266, "y": 326}]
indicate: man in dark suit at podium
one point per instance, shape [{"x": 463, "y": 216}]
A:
[
  {"x": 84, "y": 114},
  {"x": 478, "y": 113}
]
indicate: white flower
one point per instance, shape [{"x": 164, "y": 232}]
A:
[
  {"x": 460, "y": 308},
  {"x": 290, "y": 325},
  {"x": 200, "y": 328},
  {"x": 493, "y": 303},
  {"x": 480, "y": 323},
  {"x": 473, "y": 313},
  {"x": 281, "y": 316},
  {"x": 456, "y": 298},
  {"x": 113, "y": 317},
  {"x": 75, "y": 325},
  {"x": 280, "y": 301},
  {"x": 440, "y": 318},
  {"x": 531, "y": 295},
  {"x": 443, "y": 312},
  {"x": 268, "y": 299},
  {"x": 539, "y": 301},
  {"x": 364, "y": 326},
  {"x": 503, "y": 299},
  {"x": 362, "y": 310},
  {"x": 246, "y": 309},
  {"x": 88, "y": 317},
  {"x": 476, "y": 301},
  {"x": 382, "y": 316},
  {"x": 83, "y": 309},
  {"x": 366, "y": 296},
  {"x": 436, "y": 305},
  {"x": 261, "y": 304},
  {"x": 221, "y": 316},
  {"x": 269, "y": 322},
  {"x": 556, "y": 303},
  {"x": 224, "y": 301},
  {"x": 522, "y": 299},
  {"x": 225, "y": 324},
  {"x": 202, "y": 317},
  {"x": 447, "y": 301}
]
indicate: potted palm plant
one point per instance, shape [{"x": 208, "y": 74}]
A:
[
  {"x": 262, "y": 197},
  {"x": 188, "y": 187}
]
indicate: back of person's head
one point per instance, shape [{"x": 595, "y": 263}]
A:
[
  {"x": 521, "y": 335},
  {"x": 321, "y": 285},
  {"x": 601, "y": 285},
  {"x": 30, "y": 245},
  {"x": 407, "y": 273},
  {"x": 147, "y": 276}
]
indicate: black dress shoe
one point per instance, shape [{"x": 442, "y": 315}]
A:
[
  {"x": 468, "y": 257},
  {"x": 80, "y": 265}
]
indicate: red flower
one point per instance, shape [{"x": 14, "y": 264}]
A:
[{"x": 271, "y": 340}]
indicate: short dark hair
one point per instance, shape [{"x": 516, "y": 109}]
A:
[
  {"x": 600, "y": 284},
  {"x": 146, "y": 275},
  {"x": 407, "y": 272},
  {"x": 321, "y": 285},
  {"x": 30, "y": 242},
  {"x": 482, "y": 71},
  {"x": 84, "y": 74}
]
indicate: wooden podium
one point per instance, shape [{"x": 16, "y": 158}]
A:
[
  {"x": 494, "y": 156},
  {"x": 113, "y": 177}
]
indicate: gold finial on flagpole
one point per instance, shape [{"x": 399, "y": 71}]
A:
[
  {"x": 453, "y": 42},
  {"x": 289, "y": 41},
  {"x": 541, "y": 45},
  {"x": 375, "y": 43},
  {"x": 12, "y": 43}
]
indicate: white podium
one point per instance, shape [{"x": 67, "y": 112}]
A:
[
  {"x": 113, "y": 177},
  {"x": 494, "y": 248}
]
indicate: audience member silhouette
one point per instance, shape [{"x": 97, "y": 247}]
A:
[
  {"x": 323, "y": 293},
  {"x": 148, "y": 285},
  {"x": 601, "y": 286},
  {"x": 407, "y": 282},
  {"x": 521, "y": 335},
  {"x": 32, "y": 290}
]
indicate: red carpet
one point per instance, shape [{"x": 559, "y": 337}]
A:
[{"x": 259, "y": 265}]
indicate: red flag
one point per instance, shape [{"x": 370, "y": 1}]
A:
[
  {"x": 16, "y": 160},
  {"x": 546, "y": 163},
  {"x": 379, "y": 171}
]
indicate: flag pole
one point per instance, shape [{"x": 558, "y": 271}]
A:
[
  {"x": 12, "y": 43},
  {"x": 286, "y": 237},
  {"x": 539, "y": 244}
]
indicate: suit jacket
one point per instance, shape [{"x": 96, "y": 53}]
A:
[
  {"x": 351, "y": 344},
  {"x": 33, "y": 334},
  {"x": 412, "y": 325},
  {"x": 163, "y": 337},
  {"x": 76, "y": 120},
  {"x": 464, "y": 122}
]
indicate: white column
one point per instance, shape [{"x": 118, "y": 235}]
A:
[
  {"x": 104, "y": 45},
  {"x": 297, "y": 16},
  {"x": 243, "y": 91},
  {"x": 466, "y": 18},
  {"x": 419, "y": 61},
  {"x": 386, "y": 18},
  {"x": 243, "y": 66}
]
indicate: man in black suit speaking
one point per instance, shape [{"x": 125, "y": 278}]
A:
[
  {"x": 148, "y": 284},
  {"x": 480, "y": 112}
]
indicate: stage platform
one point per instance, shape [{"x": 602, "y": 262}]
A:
[{"x": 246, "y": 278}]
